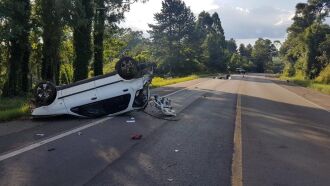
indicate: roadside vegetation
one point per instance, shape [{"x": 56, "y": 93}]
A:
[
  {"x": 306, "y": 52},
  {"x": 160, "y": 82},
  {"x": 13, "y": 108},
  {"x": 313, "y": 84}
]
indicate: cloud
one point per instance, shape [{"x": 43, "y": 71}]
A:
[
  {"x": 141, "y": 14},
  {"x": 246, "y": 23},
  {"x": 243, "y": 10},
  {"x": 240, "y": 19},
  {"x": 198, "y": 6}
]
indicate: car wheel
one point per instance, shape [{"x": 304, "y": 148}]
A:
[
  {"x": 45, "y": 93},
  {"x": 127, "y": 68}
]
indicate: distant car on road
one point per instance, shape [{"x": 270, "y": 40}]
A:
[
  {"x": 240, "y": 70},
  {"x": 125, "y": 90}
]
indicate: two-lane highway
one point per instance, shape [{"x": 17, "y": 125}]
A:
[{"x": 285, "y": 140}]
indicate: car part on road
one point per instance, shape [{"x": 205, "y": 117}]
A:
[
  {"x": 163, "y": 104},
  {"x": 222, "y": 76},
  {"x": 137, "y": 137}
]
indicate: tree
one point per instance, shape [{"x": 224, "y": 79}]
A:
[
  {"x": 231, "y": 46},
  {"x": 82, "y": 27},
  {"x": 99, "y": 21},
  {"x": 217, "y": 45},
  {"x": 16, "y": 19},
  {"x": 107, "y": 14},
  {"x": 263, "y": 52},
  {"x": 52, "y": 21},
  {"x": 301, "y": 50},
  {"x": 171, "y": 33},
  {"x": 242, "y": 50},
  {"x": 211, "y": 41}
]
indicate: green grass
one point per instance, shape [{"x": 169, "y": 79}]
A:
[
  {"x": 13, "y": 108},
  {"x": 160, "y": 82},
  {"x": 324, "y": 88}
]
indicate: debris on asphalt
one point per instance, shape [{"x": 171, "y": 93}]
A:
[
  {"x": 79, "y": 133},
  {"x": 170, "y": 179},
  {"x": 176, "y": 150},
  {"x": 169, "y": 165},
  {"x": 132, "y": 120},
  {"x": 137, "y": 137},
  {"x": 41, "y": 135},
  {"x": 51, "y": 149}
]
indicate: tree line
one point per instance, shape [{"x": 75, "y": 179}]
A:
[
  {"x": 69, "y": 40},
  {"x": 306, "y": 52},
  {"x": 183, "y": 44},
  {"x": 34, "y": 38}
]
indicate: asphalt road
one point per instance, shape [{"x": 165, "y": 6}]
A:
[{"x": 285, "y": 140}]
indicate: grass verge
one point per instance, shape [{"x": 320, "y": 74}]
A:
[
  {"x": 160, "y": 82},
  {"x": 324, "y": 88},
  {"x": 13, "y": 108}
]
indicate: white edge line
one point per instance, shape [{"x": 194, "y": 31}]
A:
[
  {"x": 38, "y": 144},
  {"x": 184, "y": 89},
  {"x": 54, "y": 138}
]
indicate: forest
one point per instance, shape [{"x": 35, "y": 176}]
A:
[
  {"x": 306, "y": 52},
  {"x": 64, "y": 41}
]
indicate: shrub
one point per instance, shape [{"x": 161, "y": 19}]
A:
[{"x": 324, "y": 76}]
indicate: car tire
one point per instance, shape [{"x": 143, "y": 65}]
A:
[
  {"x": 127, "y": 68},
  {"x": 45, "y": 93}
]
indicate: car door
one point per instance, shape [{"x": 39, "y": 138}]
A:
[
  {"x": 114, "y": 93},
  {"x": 79, "y": 99}
]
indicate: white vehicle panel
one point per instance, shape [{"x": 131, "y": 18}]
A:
[{"x": 78, "y": 88}]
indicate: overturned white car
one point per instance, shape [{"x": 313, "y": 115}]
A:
[{"x": 125, "y": 90}]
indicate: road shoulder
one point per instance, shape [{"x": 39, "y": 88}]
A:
[{"x": 313, "y": 96}]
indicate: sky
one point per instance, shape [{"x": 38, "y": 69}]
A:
[{"x": 243, "y": 20}]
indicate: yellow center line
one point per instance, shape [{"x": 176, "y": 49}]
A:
[{"x": 237, "y": 163}]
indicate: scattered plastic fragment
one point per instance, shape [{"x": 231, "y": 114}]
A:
[
  {"x": 171, "y": 165},
  {"x": 51, "y": 149},
  {"x": 176, "y": 150},
  {"x": 132, "y": 120},
  {"x": 170, "y": 179},
  {"x": 137, "y": 137},
  {"x": 41, "y": 135}
]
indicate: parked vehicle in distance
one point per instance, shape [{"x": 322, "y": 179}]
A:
[{"x": 240, "y": 70}]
